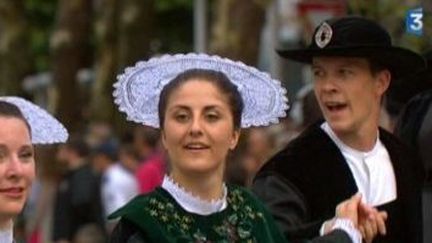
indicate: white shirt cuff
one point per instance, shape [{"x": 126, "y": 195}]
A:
[{"x": 345, "y": 225}]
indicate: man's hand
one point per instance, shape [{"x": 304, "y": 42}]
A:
[
  {"x": 367, "y": 219},
  {"x": 350, "y": 209},
  {"x": 371, "y": 222}
]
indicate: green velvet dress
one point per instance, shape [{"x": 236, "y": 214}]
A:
[{"x": 157, "y": 217}]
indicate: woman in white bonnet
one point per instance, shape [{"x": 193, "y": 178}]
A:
[{"x": 22, "y": 124}]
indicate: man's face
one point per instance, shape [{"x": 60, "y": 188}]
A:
[{"x": 348, "y": 93}]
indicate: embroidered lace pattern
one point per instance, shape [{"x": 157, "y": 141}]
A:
[
  {"x": 138, "y": 88},
  {"x": 348, "y": 226},
  {"x": 45, "y": 129}
]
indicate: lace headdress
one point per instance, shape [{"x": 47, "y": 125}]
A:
[
  {"x": 45, "y": 129},
  {"x": 138, "y": 88}
]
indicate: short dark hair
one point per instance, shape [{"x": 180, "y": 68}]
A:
[
  {"x": 10, "y": 110},
  {"x": 77, "y": 143},
  {"x": 108, "y": 149},
  {"x": 129, "y": 150},
  {"x": 219, "y": 79},
  {"x": 376, "y": 66}
]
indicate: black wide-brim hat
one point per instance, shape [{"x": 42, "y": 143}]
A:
[
  {"x": 358, "y": 37},
  {"x": 401, "y": 92}
]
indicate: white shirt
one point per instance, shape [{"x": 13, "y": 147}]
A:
[
  {"x": 372, "y": 170},
  {"x": 118, "y": 186}
]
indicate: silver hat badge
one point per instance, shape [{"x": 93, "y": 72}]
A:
[{"x": 323, "y": 35}]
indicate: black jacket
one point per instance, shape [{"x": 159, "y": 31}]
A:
[
  {"x": 77, "y": 203},
  {"x": 303, "y": 183}
]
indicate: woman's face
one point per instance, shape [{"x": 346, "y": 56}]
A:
[
  {"x": 17, "y": 166},
  {"x": 198, "y": 129}
]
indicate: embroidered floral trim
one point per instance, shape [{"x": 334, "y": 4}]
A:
[{"x": 237, "y": 225}]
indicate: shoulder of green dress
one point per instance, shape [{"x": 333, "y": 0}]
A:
[
  {"x": 156, "y": 215},
  {"x": 136, "y": 205}
]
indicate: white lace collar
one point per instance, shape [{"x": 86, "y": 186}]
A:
[
  {"x": 192, "y": 203},
  {"x": 6, "y": 235}
]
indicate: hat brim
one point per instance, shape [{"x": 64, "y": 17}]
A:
[
  {"x": 412, "y": 85},
  {"x": 401, "y": 62}
]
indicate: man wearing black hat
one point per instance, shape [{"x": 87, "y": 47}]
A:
[{"x": 353, "y": 63}]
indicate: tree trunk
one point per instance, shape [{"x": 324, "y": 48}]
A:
[
  {"x": 106, "y": 62},
  {"x": 237, "y": 29},
  {"x": 135, "y": 31},
  {"x": 15, "y": 58},
  {"x": 69, "y": 50},
  {"x": 124, "y": 34}
]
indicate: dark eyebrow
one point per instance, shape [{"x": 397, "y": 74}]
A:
[
  {"x": 211, "y": 107},
  {"x": 26, "y": 146},
  {"x": 180, "y": 107},
  {"x": 184, "y": 107}
]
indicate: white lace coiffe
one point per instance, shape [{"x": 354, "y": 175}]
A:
[
  {"x": 45, "y": 129},
  {"x": 192, "y": 203},
  {"x": 138, "y": 88}
]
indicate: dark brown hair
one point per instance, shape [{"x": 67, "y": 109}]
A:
[
  {"x": 10, "y": 110},
  {"x": 219, "y": 79}
]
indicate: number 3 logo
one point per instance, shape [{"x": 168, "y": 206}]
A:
[
  {"x": 417, "y": 23},
  {"x": 414, "y": 22}
]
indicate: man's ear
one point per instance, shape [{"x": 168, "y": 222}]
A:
[{"x": 383, "y": 81}]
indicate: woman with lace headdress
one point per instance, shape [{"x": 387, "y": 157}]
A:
[
  {"x": 22, "y": 125},
  {"x": 200, "y": 103}
]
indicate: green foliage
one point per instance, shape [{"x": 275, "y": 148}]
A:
[
  {"x": 41, "y": 17},
  {"x": 41, "y": 8},
  {"x": 174, "y": 31},
  {"x": 173, "y": 25},
  {"x": 169, "y": 5}
]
